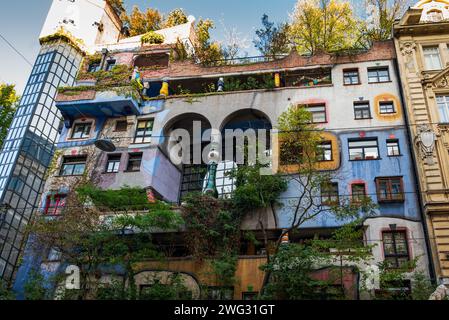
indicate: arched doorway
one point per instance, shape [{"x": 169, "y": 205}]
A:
[{"x": 188, "y": 139}]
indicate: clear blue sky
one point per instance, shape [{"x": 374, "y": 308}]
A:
[{"x": 21, "y": 22}]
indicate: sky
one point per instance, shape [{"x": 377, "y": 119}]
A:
[
  {"x": 22, "y": 27},
  {"x": 21, "y": 23}
]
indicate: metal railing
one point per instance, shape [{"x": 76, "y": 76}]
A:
[{"x": 243, "y": 60}]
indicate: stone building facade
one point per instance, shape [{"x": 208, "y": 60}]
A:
[{"x": 422, "y": 40}]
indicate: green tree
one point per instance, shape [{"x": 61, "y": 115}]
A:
[
  {"x": 8, "y": 103},
  {"x": 206, "y": 51},
  {"x": 291, "y": 274},
  {"x": 5, "y": 292},
  {"x": 323, "y": 26},
  {"x": 347, "y": 248},
  {"x": 272, "y": 40},
  {"x": 299, "y": 142},
  {"x": 118, "y": 6},
  {"x": 34, "y": 287},
  {"x": 385, "y": 13},
  {"x": 139, "y": 22},
  {"x": 175, "y": 18},
  {"x": 100, "y": 228}
]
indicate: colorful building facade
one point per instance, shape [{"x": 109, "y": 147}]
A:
[
  {"x": 421, "y": 38},
  {"x": 355, "y": 99}
]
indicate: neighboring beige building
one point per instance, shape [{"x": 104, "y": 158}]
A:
[{"x": 422, "y": 40}]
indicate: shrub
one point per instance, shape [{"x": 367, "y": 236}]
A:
[{"x": 152, "y": 38}]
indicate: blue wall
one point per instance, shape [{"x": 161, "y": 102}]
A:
[{"x": 368, "y": 170}]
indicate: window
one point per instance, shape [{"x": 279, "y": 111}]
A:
[
  {"x": 329, "y": 194},
  {"x": 432, "y": 58},
  {"x": 54, "y": 255},
  {"x": 134, "y": 162},
  {"x": 144, "y": 131},
  {"x": 94, "y": 67},
  {"x": 363, "y": 149},
  {"x": 55, "y": 204},
  {"x": 73, "y": 166},
  {"x": 220, "y": 293},
  {"x": 318, "y": 113},
  {"x": 390, "y": 189},
  {"x": 113, "y": 163},
  {"x": 358, "y": 192},
  {"x": 362, "y": 110},
  {"x": 325, "y": 151},
  {"x": 121, "y": 126},
  {"x": 110, "y": 64},
  {"x": 393, "y": 148},
  {"x": 443, "y": 108},
  {"x": 351, "y": 77},
  {"x": 395, "y": 248},
  {"x": 81, "y": 130},
  {"x": 378, "y": 75},
  {"x": 386, "y": 107}
]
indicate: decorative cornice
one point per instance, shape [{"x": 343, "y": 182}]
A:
[{"x": 437, "y": 81}]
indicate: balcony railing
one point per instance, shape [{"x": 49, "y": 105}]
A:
[{"x": 243, "y": 60}]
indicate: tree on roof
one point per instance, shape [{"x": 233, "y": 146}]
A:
[
  {"x": 382, "y": 17},
  {"x": 139, "y": 22},
  {"x": 323, "y": 26},
  {"x": 117, "y": 5},
  {"x": 206, "y": 51},
  {"x": 175, "y": 18},
  {"x": 272, "y": 39}
]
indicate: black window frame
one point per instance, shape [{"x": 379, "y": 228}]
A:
[
  {"x": 377, "y": 76},
  {"x": 94, "y": 67},
  {"x": 362, "y": 106},
  {"x": 321, "y": 151},
  {"x": 364, "y": 157},
  {"x": 383, "y": 103},
  {"x": 145, "y": 130},
  {"x": 116, "y": 158},
  {"x": 389, "y": 147},
  {"x": 351, "y": 74},
  {"x": 110, "y": 64},
  {"x": 71, "y": 161},
  {"x": 329, "y": 191},
  {"x": 84, "y": 135},
  {"x": 134, "y": 157},
  {"x": 397, "y": 255}
]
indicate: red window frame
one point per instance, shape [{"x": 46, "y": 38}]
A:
[{"x": 54, "y": 208}]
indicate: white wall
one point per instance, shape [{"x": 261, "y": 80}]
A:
[{"x": 83, "y": 13}]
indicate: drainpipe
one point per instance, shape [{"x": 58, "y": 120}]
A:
[
  {"x": 432, "y": 272},
  {"x": 104, "y": 55}
]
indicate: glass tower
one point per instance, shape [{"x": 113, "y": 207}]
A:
[{"x": 29, "y": 146}]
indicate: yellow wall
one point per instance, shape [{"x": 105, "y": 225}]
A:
[
  {"x": 247, "y": 274},
  {"x": 388, "y": 117},
  {"x": 324, "y": 165}
]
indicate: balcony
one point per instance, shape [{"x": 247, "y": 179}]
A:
[
  {"x": 209, "y": 85},
  {"x": 86, "y": 101}
]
